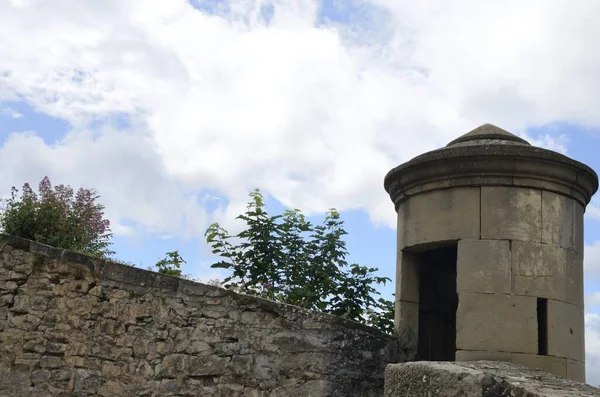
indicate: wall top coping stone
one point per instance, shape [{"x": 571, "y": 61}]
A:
[
  {"x": 478, "y": 379},
  {"x": 491, "y": 156},
  {"x": 111, "y": 272}
]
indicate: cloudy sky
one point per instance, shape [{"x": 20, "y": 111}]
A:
[{"x": 173, "y": 110}]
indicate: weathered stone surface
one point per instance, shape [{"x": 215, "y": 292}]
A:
[
  {"x": 121, "y": 331},
  {"x": 479, "y": 355},
  {"x": 511, "y": 213},
  {"x": 484, "y": 266},
  {"x": 541, "y": 175},
  {"x": 557, "y": 219},
  {"x": 578, "y": 228},
  {"x": 406, "y": 326},
  {"x": 539, "y": 270},
  {"x": 490, "y": 322},
  {"x": 574, "y": 270},
  {"x": 439, "y": 216},
  {"x": 553, "y": 365},
  {"x": 407, "y": 277},
  {"x": 478, "y": 379},
  {"x": 576, "y": 370},
  {"x": 565, "y": 330}
]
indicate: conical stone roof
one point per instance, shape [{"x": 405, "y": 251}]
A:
[
  {"x": 491, "y": 156},
  {"x": 486, "y": 133}
]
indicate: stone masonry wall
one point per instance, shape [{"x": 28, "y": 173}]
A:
[{"x": 71, "y": 325}]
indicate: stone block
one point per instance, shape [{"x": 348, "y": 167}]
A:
[
  {"x": 468, "y": 172},
  {"x": 430, "y": 174},
  {"x": 478, "y": 355},
  {"x": 406, "y": 325},
  {"x": 574, "y": 269},
  {"x": 3, "y": 313},
  {"x": 565, "y": 330},
  {"x": 553, "y": 365},
  {"x": 575, "y": 370},
  {"x": 539, "y": 270},
  {"x": 509, "y": 213},
  {"x": 442, "y": 215},
  {"x": 534, "y": 173},
  {"x": 206, "y": 366},
  {"x": 167, "y": 284},
  {"x": 492, "y": 322},
  {"x": 578, "y": 227},
  {"x": 477, "y": 379},
  {"x": 407, "y": 314},
  {"x": 125, "y": 274},
  {"x": 484, "y": 266},
  {"x": 407, "y": 277},
  {"x": 557, "y": 220}
]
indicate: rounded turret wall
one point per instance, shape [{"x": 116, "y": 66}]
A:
[{"x": 490, "y": 252}]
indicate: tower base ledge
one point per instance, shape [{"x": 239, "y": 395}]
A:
[{"x": 478, "y": 379}]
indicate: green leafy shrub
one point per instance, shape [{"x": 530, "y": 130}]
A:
[
  {"x": 171, "y": 264},
  {"x": 58, "y": 217},
  {"x": 287, "y": 259}
]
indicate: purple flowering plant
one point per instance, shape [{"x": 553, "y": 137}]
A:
[{"x": 58, "y": 217}]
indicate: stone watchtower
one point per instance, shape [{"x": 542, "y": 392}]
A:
[{"x": 490, "y": 252}]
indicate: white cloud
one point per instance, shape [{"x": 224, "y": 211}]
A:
[
  {"x": 552, "y": 142},
  {"x": 592, "y": 318},
  {"x": 593, "y": 210},
  {"x": 121, "y": 167},
  {"x": 592, "y": 348},
  {"x": 10, "y": 112},
  {"x": 591, "y": 263},
  {"x": 521, "y": 63},
  {"x": 313, "y": 114},
  {"x": 592, "y": 300}
]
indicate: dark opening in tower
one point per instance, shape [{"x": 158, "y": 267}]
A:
[
  {"x": 542, "y": 320},
  {"x": 438, "y": 301}
]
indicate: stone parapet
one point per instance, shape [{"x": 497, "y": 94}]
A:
[
  {"x": 478, "y": 379},
  {"x": 73, "y": 325}
]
